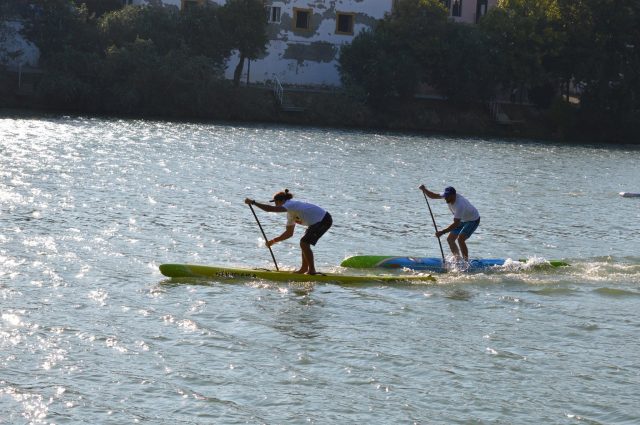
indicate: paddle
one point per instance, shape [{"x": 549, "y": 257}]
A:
[
  {"x": 436, "y": 227},
  {"x": 265, "y": 237}
]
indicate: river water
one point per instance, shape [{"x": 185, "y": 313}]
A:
[{"x": 91, "y": 332}]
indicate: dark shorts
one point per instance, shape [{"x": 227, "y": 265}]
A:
[
  {"x": 315, "y": 231},
  {"x": 466, "y": 228}
]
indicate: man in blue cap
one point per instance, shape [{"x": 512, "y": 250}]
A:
[{"x": 465, "y": 219}]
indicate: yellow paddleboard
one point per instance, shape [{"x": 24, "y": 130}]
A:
[{"x": 194, "y": 270}]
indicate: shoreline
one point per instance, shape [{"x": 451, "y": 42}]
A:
[{"x": 337, "y": 110}]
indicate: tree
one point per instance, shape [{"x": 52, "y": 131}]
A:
[
  {"x": 465, "y": 72},
  {"x": 57, "y": 25},
  {"x": 369, "y": 67},
  {"x": 161, "y": 61},
  {"x": 523, "y": 41},
  {"x": 98, "y": 8},
  {"x": 132, "y": 78},
  {"x": 244, "y": 21},
  {"x": 608, "y": 62},
  {"x": 70, "y": 80},
  {"x": 402, "y": 51},
  {"x": 602, "y": 55},
  {"x": 69, "y": 53},
  {"x": 130, "y": 23},
  {"x": 420, "y": 26},
  {"x": 203, "y": 33}
]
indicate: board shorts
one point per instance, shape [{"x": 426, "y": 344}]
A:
[
  {"x": 466, "y": 228},
  {"x": 315, "y": 231}
]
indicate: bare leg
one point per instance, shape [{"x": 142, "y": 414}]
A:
[
  {"x": 305, "y": 265},
  {"x": 451, "y": 239},
  {"x": 463, "y": 247},
  {"x": 308, "y": 265}
]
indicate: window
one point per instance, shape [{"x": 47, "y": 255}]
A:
[
  {"x": 273, "y": 14},
  {"x": 456, "y": 10},
  {"x": 344, "y": 23},
  {"x": 301, "y": 19},
  {"x": 481, "y": 9}
]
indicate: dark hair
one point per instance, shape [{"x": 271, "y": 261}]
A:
[{"x": 282, "y": 196}]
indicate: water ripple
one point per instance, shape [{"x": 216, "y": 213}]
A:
[{"x": 91, "y": 332}]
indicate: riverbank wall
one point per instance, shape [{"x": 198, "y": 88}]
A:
[{"x": 336, "y": 108}]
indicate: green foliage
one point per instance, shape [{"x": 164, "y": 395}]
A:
[
  {"x": 70, "y": 84},
  {"x": 534, "y": 45},
  {"x": 522, "y": 39},
  {"x": 133, "y": 73},
  {"x": 13, "y": 9},
  {"x": 141, "y": 79},
  {"x": 418, "y": 29},
  {"x": 244, "y": 21},
  {"x": 418, "y": 21},
  {"x": 377, "y": 77},
  {"x": 465, "y": 71},
  {"x": 58, "y": 25},
  {"x": 155, "y": 23},
  {"x": 148, "y": 60},
  {"x": 400, "y": 53},
  {"x": 97, "y": 8},
  {"x": 203, "y": 33},
  {"x": 609, "y": 63}
]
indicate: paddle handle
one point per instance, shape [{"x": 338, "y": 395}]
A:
[
  {"x": 265, "y": 237},
  {"x": 435, "y": 227}
]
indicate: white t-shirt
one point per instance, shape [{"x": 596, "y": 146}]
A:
[
  {"x": 299, "y": 212},
  {"x": 463, "y": 209}
]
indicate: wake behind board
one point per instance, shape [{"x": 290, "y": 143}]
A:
[
  {"x": 193, "y": 270},
  {"x": 426, "y": 263}
]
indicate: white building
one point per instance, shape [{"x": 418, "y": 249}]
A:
[{"x": 305, "y": 36}]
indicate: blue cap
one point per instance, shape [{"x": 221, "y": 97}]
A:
[{"x": 448, "y": 191}]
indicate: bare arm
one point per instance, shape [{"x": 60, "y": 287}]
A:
[
  {"x": 288, "y": 232},
  {"x": 264, "y": 207},
  {"x": 456, "y": 223},
  {"x": 429, "y": 193}
]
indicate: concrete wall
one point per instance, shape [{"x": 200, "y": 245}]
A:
[
  {"x": 309, "y": 57},
  {"x": 469, "y": 10}
]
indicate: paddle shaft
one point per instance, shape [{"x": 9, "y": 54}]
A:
[
  {"x": 265, "y": 237},
  {"x": 436, "y": 227}
]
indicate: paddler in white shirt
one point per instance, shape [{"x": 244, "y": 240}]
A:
[
  {"x": 465, "y": 220},
  {"x": 317, "y": 220}
]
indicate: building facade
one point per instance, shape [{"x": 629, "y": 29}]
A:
[{"x": 305, "y": 36}]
